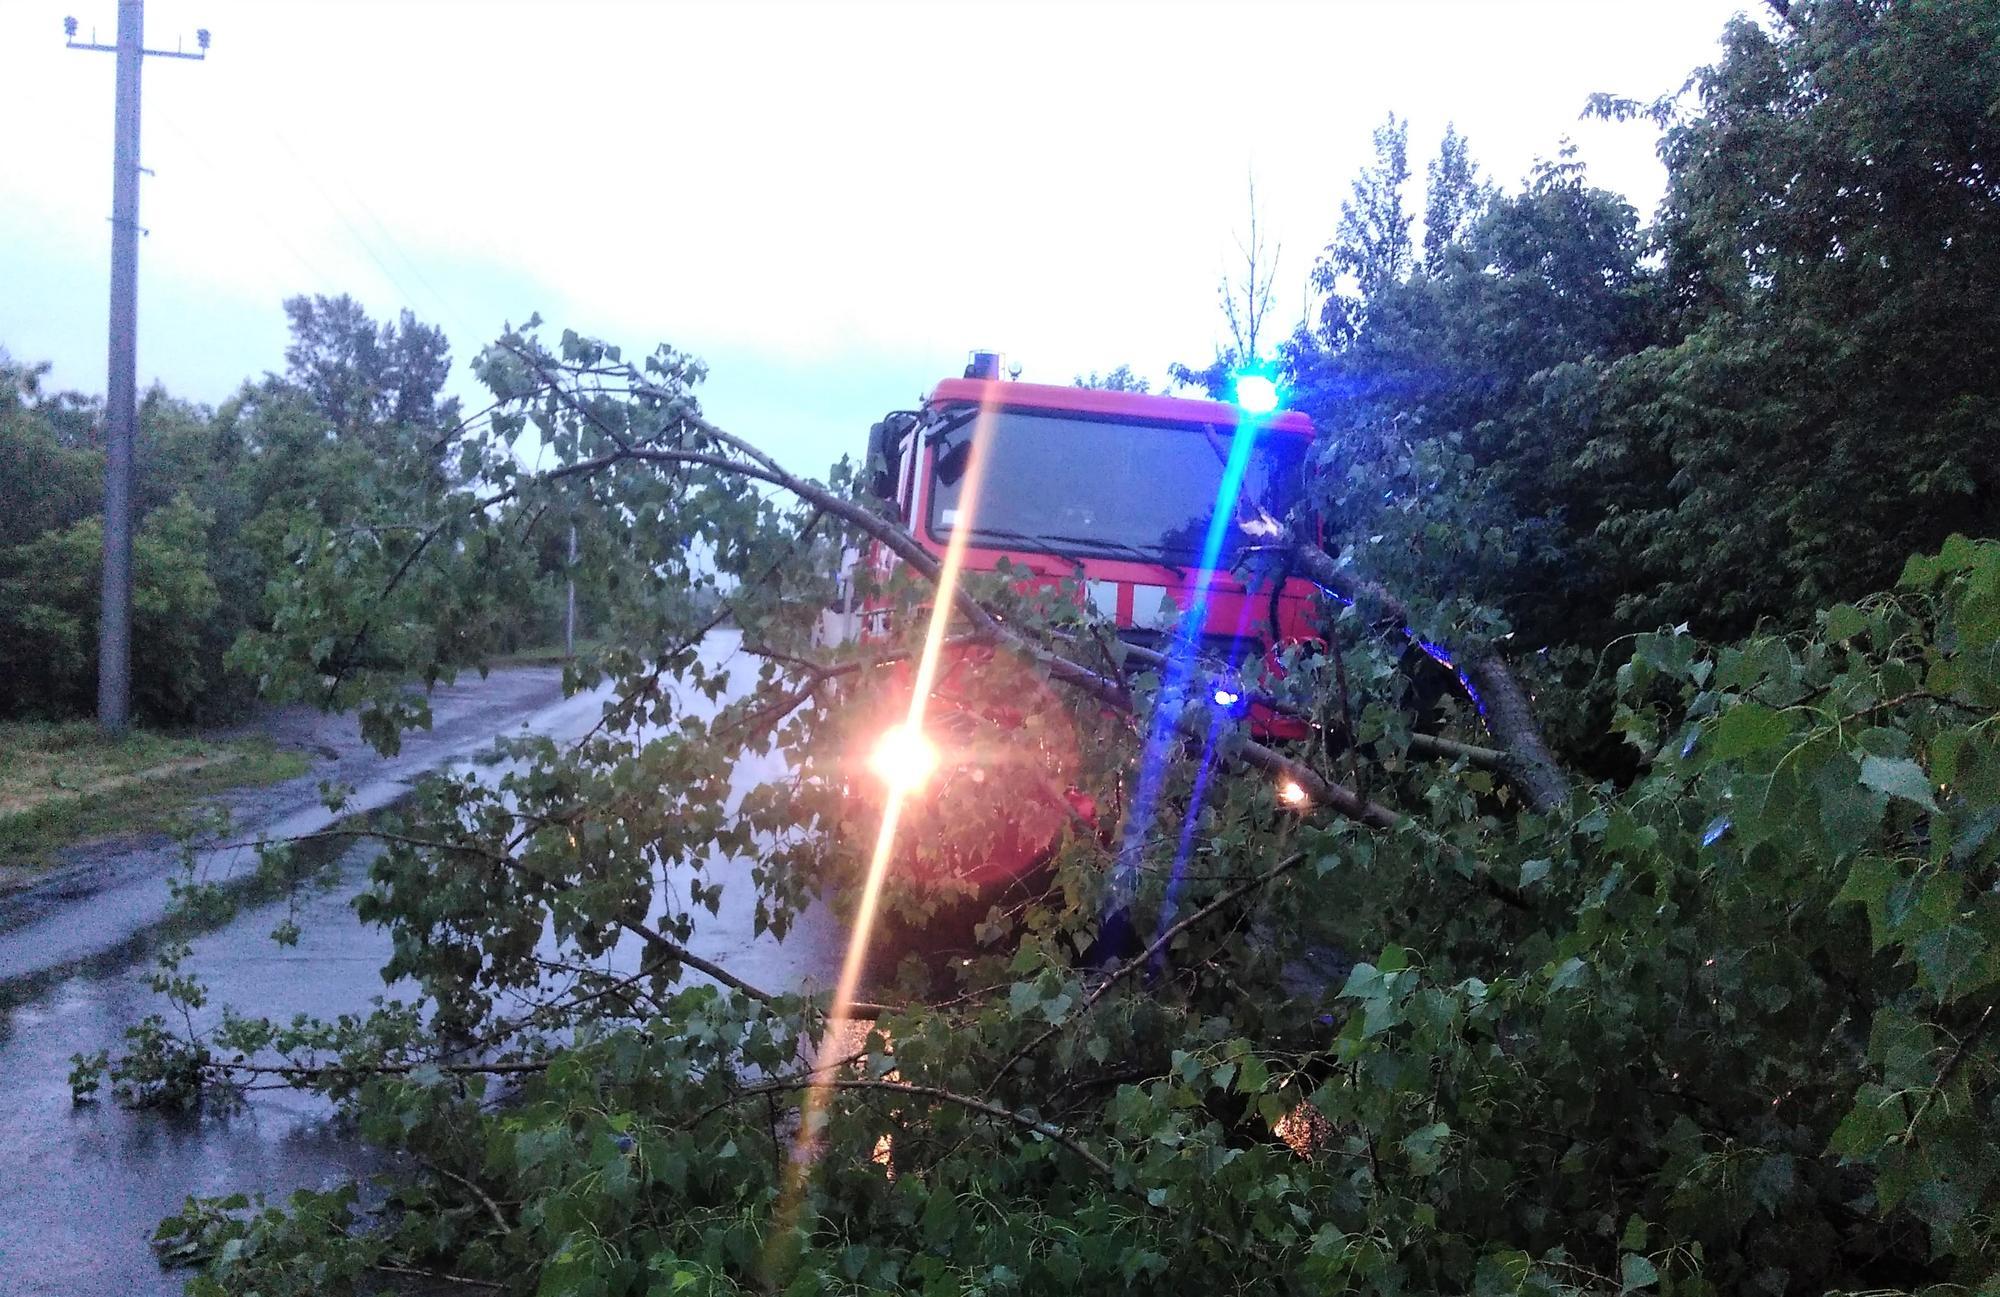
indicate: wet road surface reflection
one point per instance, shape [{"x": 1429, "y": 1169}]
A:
[{"x": 83, "y": 1187}]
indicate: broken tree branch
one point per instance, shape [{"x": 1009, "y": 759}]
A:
[{"x": 1530, "y": 764}]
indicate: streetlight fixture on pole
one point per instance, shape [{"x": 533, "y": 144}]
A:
[{"x": 569, "y": 603}]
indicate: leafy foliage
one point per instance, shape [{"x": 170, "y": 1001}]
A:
[
  {"x": 1724, "y": 1029},
  {"x": 1828, "y": 251},
  {"x": 358, "y": 419},
  {"x": 1720, "y": 1023},
  {"x": 368, "y": 381},
  {"x": 1755, "y": 407},
  {"x": 49, "y": 592}
]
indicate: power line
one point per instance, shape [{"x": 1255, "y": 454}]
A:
[
  {"x": 444, "y": 306},
  {"x": 250, "y": 200},
  {"x": 262, "y": 212},
  {"x": 341, "y": 216},
  {"x": 452, "y": 316}
]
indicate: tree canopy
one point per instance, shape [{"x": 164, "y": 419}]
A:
[
  {"x": 229, "y": 500},
  {"x": 1755, "y": 406}
]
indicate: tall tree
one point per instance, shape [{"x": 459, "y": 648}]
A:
[
  {"x": 365, "y": 378},
  {"x": 1120, "y": 379},
  {"x": 1246, "y": 300},
  {"x": 1454, "y": 196},
  {"x": 1371, "y": 245},
  {"x": 1449, "y": 439},
  {"x": 1246, "y": 297},
  {"x": 1831, "y": 238},
  {"x": 51, "y": 466}
]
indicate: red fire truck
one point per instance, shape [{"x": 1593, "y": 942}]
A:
[
  {"x": 1119, "y": 493},
  {"x": 1115, "y": 489}
]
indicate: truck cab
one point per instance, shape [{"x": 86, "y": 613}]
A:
[{"x": 1119, "y": 490}]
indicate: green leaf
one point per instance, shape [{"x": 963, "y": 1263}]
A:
[
  {"x": 1425, "y": 1147},
  {"x": 1951, "y": 960},
  {"x": 1844, "y": 621},
  {"x": 1869, "y": 880},
  {"x": 1635, "y": 1272},
  {"x": 1771, "y": 1183},
  {"x": 1849, "y": 811},
  {"x": 1898, "y": 777},
  {"x": 1569, "y": 973},
  {"x": 1877, "y": 1115},
  {"x": 1974, "y": 834},
  {"x": 1747, "y": 728},
  {"x": 1364, "y": 981}
]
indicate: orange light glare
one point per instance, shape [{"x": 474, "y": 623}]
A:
[
  {"x": 1291, "y": 794},
  {"x": 904, "y": 759}
]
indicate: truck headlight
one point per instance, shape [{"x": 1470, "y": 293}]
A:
[{"x": 903, "y": 759}]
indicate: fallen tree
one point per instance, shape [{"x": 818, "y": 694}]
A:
[{"x": 1462, "y": 1025}]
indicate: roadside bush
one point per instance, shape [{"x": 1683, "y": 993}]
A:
[{"x": 50, "y": 589}]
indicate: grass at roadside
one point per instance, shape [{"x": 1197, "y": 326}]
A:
[
  {"x": 65, "y": 783},
  {"x": 541, "y": 655}
]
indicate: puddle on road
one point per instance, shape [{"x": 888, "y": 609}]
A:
[{"x": 86, "y": 1184}]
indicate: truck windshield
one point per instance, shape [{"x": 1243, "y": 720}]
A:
[{"x": 1066, "y": 484}]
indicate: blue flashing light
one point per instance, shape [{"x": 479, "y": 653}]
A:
[
  {"x": 1224, "y": 698},
  {"x": 1256, "y": 394}
]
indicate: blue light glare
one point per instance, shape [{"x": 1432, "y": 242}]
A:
[
  {"x": 1175, "y": 687},
  {"x": 1190, "y": 824},
  {"x": 1224, "y": 698},
  {"x": 1437, "y": 653},
  {"x": 1256, "y": 393}
]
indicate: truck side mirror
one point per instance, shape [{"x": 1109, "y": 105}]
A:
[{"x": 881, "y": 469}]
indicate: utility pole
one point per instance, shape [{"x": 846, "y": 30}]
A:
[
  {"x": 569, "y": 612},
  {"x": 121, "y": 397}
]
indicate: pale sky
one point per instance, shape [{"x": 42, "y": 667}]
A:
[{"x": 831, "y": 203}]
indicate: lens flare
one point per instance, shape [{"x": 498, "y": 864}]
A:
[
  {"x": 813, "y": 1105},
  {"x": 1226, "y": 698},
  {"x": 904, "y": 759}
]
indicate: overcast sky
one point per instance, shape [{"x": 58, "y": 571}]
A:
[{"x": 831, "y": 203}]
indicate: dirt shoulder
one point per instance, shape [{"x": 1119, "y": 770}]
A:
[
  {"x": 67, "y": 783},
  {"x": 70, "y": 799}
]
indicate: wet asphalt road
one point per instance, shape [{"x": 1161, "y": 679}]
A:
[{"x": 84, "y": 1186}]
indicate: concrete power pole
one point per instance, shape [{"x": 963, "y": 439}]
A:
[
  {"x": 121, "y": 396},
  {"x": 569, "y": 611}
]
